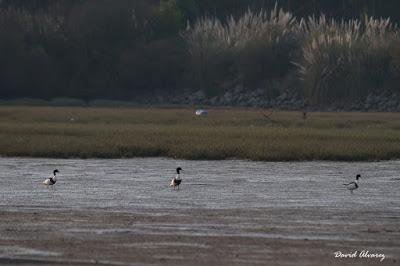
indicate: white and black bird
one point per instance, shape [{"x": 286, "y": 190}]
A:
[
  {"x": 51, "y": 180},
  {"x": 353, "y": 185},
  {"x": 176, "y": 181}
]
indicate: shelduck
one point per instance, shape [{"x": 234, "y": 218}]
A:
[
  {"x": 353, "y": 185},
  {"x": 51, "y": 180},
  {"x": 176, "y": 181}
]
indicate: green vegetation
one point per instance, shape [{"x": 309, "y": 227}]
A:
[
  {"x": 134, "y": 50},
  {"x": 86, "y": 132}
]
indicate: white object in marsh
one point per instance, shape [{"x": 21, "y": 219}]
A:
[{"x": 201, "y": 112}]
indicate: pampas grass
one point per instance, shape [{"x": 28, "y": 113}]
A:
[
  {"x": 335, "y": 60},
  {"x": 345, "y": 60},
  {"x": 254, "y": 45}
]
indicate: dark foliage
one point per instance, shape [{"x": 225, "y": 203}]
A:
[{"x": 130, "y": 49}]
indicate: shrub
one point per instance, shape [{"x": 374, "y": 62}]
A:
[
  {"x": 110, "y": 103},
  {"x": 67, "y": 102},
  {"x": 25, "y": 101},
  {"x": 395, "y": 62},
  {"x": 167, "y": 20},
  {"x": 209, "y": 50}
]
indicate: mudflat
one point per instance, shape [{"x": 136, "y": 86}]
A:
[
  {"x": 123, "y": 212},
  {"x": 268, "y": 236}
]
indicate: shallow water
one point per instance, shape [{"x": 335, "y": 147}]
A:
[{"x": 134, "y": 184}]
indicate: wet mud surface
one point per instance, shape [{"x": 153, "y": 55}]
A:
[{"x": 122, "y": 212}]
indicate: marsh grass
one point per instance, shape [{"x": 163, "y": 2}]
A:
[{"x": 64, "y": 132}]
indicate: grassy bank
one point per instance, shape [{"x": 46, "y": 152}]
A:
[{"x": 176, "y": 132}]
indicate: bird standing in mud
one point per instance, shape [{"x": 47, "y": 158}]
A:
[
  {"x": 353, "y": 185},
  {"x": 51, "y": 180},
  {"x": 176, "y": 181}
]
